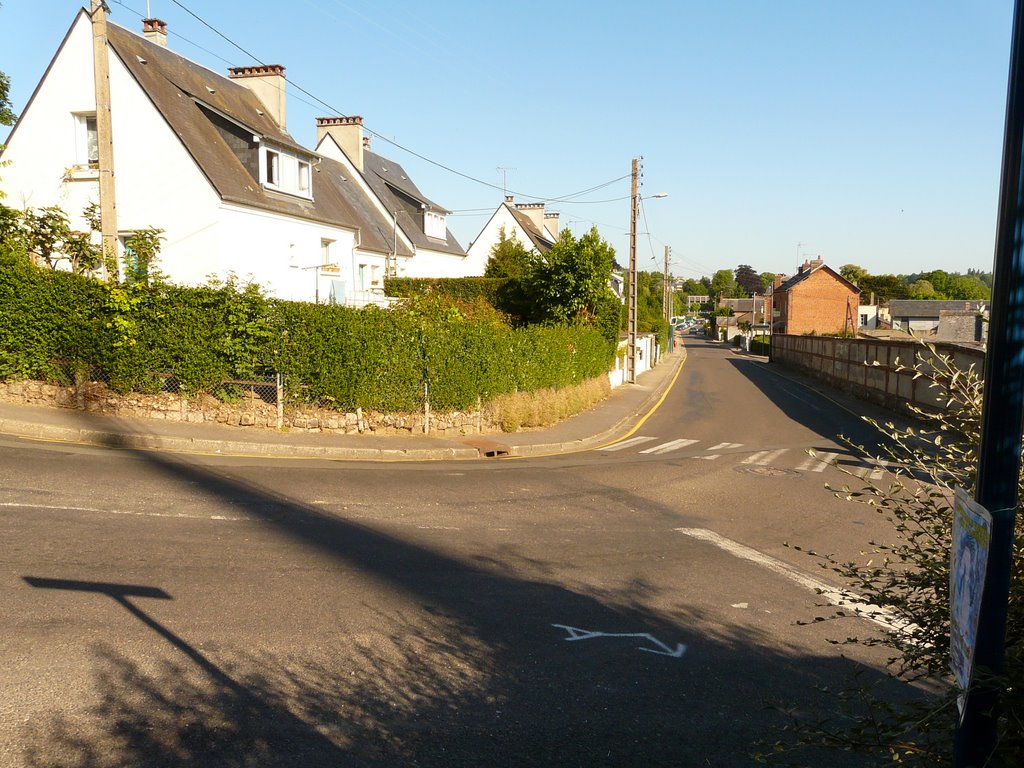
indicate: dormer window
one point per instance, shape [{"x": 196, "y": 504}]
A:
[
  {"x": 284, "y": 172},
  {"x": 434, "y": 225}
]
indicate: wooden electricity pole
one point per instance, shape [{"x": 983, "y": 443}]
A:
[
  {"x": 631, "y": 322},
  {"x": 104, "y": 136},
  {"x": 666, "y": 291}
]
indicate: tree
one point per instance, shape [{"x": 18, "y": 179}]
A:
[
  {"x": 969, "y": 288},
  {"x": 748, "y": 279},
  {"x": 885, "y": 287},
  {"x": 767, "y": 280},
  {"x": 922, "y": 289},
  {"x": 509, "y": 258},
  {"x": 570, "y": 281},
  {"x": 7, "y": 116},
  {"x": 723, "y": 282},
  {"x": 853, "y": 273}
]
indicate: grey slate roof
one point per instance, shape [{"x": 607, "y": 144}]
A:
[
  {"x": 396, "y": 190},
  {"x": 537, "y": 238},
  {"x": 927, "y": 308},
  {"x": 180, "y": 89}
]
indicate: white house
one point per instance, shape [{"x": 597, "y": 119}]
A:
[
  {"x": 536, "y": 229},
  {"x": 422, "y": 244},
  {"x": 207, "y": 159}
]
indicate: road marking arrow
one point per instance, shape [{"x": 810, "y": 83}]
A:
[{"x": 575, "y": 633}]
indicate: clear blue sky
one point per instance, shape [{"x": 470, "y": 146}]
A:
[{"x": 865, "y": 131}]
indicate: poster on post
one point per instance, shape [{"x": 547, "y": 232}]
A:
[{"x": 972, "y": 533}]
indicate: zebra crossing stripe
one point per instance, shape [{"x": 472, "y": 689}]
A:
[
  {"x": 670, "y": 446},
  {"x": 763, "y": 458},
  {"x": 712, "y": 457},
  {"x": 627, "y": 444},
  {"x": 725, "y": 446},
  {"x": 816, "y": 463},
  {"x": 824, "y": 460}
]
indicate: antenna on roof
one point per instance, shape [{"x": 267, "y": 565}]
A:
[{"x": 503, "y": 170}]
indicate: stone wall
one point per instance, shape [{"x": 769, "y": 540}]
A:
[
  {"x": 249, "y": 411},
  {"x": 877, "y": 370}
]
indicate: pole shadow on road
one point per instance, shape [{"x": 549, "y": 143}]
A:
[{"x": 476, "y": 672}]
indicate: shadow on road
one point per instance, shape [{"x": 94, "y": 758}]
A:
[{"x": 474, "y": 673}]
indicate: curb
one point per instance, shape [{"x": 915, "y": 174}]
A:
[{"x": 227, "y": 448}]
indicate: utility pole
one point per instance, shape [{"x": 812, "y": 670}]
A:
[
  {"x": 631, "y": 322},
  {"x": 666, "y": 294},
  {"x": 104, "y": 137}
]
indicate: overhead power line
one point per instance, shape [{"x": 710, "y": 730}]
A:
[{"x": 339, "y": 113}]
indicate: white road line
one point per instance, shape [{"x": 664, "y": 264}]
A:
[
  {"x": 670, "y": 446},
  {"x": 764, "y": 458},
  {"x": 881, "y": 464},
  {"x": 824, "y": 460},
  {"x": 838, "y": 597},
  {"x": 725, "y": 446},
  {"x": 710, "y": 457},
  {"x": 816, "y": 463},
  {"x": 55, "y": 508},
  {"x": 627, "y": 443},
  {"x": 874, "y": 470}
]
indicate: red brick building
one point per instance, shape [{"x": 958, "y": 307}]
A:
[{"x": 817, "y": 299}]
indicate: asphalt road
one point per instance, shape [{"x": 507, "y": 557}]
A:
[{"x": 634, "y": 605}]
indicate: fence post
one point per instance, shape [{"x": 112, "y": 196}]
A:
[
  {"x": 426, "y": 408},
  {"x": 280, "y": 400}
]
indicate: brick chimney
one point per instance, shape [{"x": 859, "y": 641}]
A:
[
  {"x": 536, "y": 213},
  {"x": 267, "y": 82},
  {"x": 551, "y": 220},
  {"x": 510, "y": 200},
  {"x": 155, "y": 31},
  {"x": 347, "y": 132}
]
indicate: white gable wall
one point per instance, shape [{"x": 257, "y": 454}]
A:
[
  {"x": 158, "y": 184},
  {"x": 43, "y": 147},
  {"x": 480, "y": 251}
]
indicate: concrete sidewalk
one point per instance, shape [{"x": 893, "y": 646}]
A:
[{"x": 613, "y": 417}]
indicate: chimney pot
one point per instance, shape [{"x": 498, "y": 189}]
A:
[
  {"x": 347, "y": 133},
  {"x": 155, "y": 31},
  {"x": 510, "y": 199},
  {"x": 267, "y": 81}
]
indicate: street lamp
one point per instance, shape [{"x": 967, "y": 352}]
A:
[{"x": 631, "y": 322}]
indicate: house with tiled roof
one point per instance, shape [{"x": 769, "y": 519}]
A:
[
  {"x": 817, "y": 299},
  {"x": 207, "y": 159},
  {"x": 423, "y": 244},
  {"x": 529, "y": 223}
]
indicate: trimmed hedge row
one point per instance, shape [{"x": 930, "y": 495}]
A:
[
  {"x": 466, "y": 289},
  {"x": 370, "y": 358}
]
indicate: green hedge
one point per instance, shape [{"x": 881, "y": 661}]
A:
[
  {"x": 458, "y": 288},
  {"x": 134, "y": 337}
]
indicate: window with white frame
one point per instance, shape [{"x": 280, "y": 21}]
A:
[
  {"x": 273, "y": 168},
  {"x": 284, "y": 172},
  {"x": 325, "y": 251},
  {"x": 362, "y": 277},
  {"x": 434, "y": 225},
  {"x": 87, "y": 146}
]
